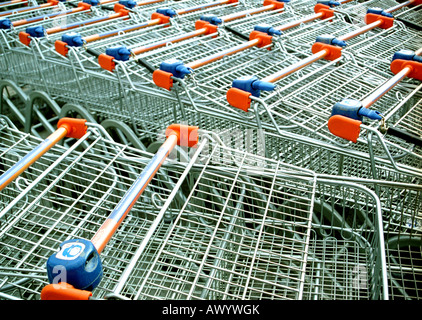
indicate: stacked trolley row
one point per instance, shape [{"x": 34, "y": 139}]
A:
[
  {"x": 305, "y": 237},
  {"x": 283, "y": 98}
]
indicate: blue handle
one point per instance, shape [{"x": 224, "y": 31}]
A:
[
  {"x": 167, "y": 12},
  {"x": 73, "y": 39},
  {"x": 77, "y": 263},
  {"x": 353, "y": 109},
  {"x": 36, "y": 32},
  {"x": 175, "y": 67},
  {"x": 266, "y": 28},
  {"x": 5, "y": 23},
  {"x": 128, "y": 3},
  {"x": 329, "y": 39},
  {"x": 371, "y": 114},
  {"x": 263, "y": 85},
  {"x": 253, "y": 85},
  {"x": 329, "y": 3},
  {"x": 92, "y": 2},
  {"x": 211, "y": 18},
  {"x": 119, "y": 53},
  {"x": 379, "y": 11},
  {"x": 406, "y": 55}
]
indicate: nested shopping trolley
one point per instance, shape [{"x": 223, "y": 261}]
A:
[
  {"x": 73, "y": 196},
  {"x": 224, "y": 224}
]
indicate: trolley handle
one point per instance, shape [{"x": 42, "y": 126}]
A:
[
  {"x": 40, "y": 31},
  {"x": 207, "y": 24},
  {"x": 163, "y": 77},
  {"x": 66, "y": 127},
  {"x": 49, "y": 3},
  {"x": 405, "y": 63},
  {"x": 325, "y": 47},
  {"x": 80, "y": 259}
]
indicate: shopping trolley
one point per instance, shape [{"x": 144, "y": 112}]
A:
[
  {"x": 68, "y": 193},
  {"x": 207, "y": 24},
  {"x": 42, "y": 49},
  {"x": 98, "y": 86},
  {"x": 57, "y": 15},
  {"x": 117, "y": 44},
  {"x": 240, "y": 210},
  {"x": 35, "y": 9},
  {"x": 52, "y": 25},
  {"x": 239, "y": 215},
  {"x": 355, "y": 12},
  {"x": 405, "y": 63}
]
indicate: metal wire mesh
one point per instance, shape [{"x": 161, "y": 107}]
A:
[
  {"x": 243, "y": 234},
  {"x": 281, "y": 210},
  {"x": 71, "y": 200}
]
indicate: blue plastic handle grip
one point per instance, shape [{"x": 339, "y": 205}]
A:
[
  {"x": 119, "y": 53},
  {"x": 5, "y": 23},
  {"x": 252, "y": 84},
  {"x": 175, "y": 67},
  {"x": 36, "y": 31}
]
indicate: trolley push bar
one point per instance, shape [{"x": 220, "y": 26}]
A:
[
  {"x": 80, "y": 258},
  {"x": 163, "y": 77},
  {"x": 323, "y": 10},
  {"x": 66, "y": 127},
  {"x": 207, "y": 24},
  {"x": 40, "y": 31},
  {"x": 160, "y": 17},
  {"x": 13, "y": 3},
  {"x": 49, "y": 3},
  {"x": 6, "y": 23},
  {"x": 347, "y": 115},
  {"x": 325, "y": 47},
  {"x": 261, "y": 36},
  {"x": 74, "y": 39}
]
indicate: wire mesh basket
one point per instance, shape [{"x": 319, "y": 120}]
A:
[{"x": 234, "y": 214}]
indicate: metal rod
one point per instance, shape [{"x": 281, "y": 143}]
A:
[
  {"x": 116, "y": 217},
  {"x": 31, "y": 157},
  {"x": 360, "y": 31},
  {"x": 164, "y": 42},
  {"x": 244, "y": 13},
  {"x": 10, "y": 12},
  {"x": 202, "y": 6},
  {"x": 222, "y": 54},
  {"x": 387, "y": 86},
  {"x": 295, "y": 23},
  {"x": 51, "y": 15},
  {"x": 104, "y": 35},
  {"x": 125, "y": 275},
  {"x": 13, "y": 2},
  {"x": 83, "y": 23},
  {"x": 296, "y": 66},
  {"x": 399, "y": 6}
]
